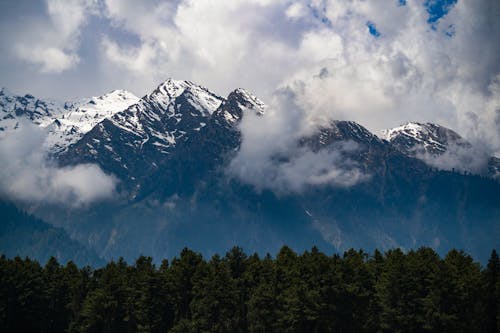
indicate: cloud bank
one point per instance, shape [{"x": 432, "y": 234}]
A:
[{"x": 27, "y": 174}]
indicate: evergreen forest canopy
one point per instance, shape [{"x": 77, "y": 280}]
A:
[{"x": 415, "y": 291}]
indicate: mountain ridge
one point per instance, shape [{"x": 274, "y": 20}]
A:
[{"x": 172, "y": 150}]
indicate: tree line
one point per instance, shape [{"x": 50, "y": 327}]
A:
[{"x": 395, "y": 291}]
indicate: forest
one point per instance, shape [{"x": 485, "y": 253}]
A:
[{"x": 395, "y": 291}]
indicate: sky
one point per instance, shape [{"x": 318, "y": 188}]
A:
[{"x": 380, "y": 63}]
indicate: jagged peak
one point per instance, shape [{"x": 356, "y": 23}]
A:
[
  {"x": 333, "y": 131},
  {"x": 247, "y": 100},
  {"x": 199, "y": 96},
  {"x": 174, "y": 88}
]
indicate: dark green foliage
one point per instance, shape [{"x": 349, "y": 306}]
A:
[
  {"x": 491, "y": 280},
  {"x": 415, "y": 291}
]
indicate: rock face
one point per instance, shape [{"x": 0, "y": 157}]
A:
[{"x": 171, "y": 150}]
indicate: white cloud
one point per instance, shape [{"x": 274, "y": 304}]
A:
[
  {"x": 222, "y": 45},
  {"x": 270, "y": 156},
  {"x": 28, "y": 175},
  {"x": 50, "y": 60},
  {"x": 51, "y": 43},
  {"x": 460, "y": 158}
]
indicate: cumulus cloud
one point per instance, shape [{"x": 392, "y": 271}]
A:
[
  {"x": 51, "y": 43},
  {"x": 219, "y": 44},
  {"x": 50, "y": 59},
  {"x": 28, "y": 175}
]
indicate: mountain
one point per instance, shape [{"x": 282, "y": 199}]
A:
[
  {"x": 132, "y": 142},
  {"x": 65, "y": 123},
  {"x": 172, "y": 151},
  {"x": 441, "y": 147},
  {"x": 414, "y": 138},
  {"x": 16, "y": 109},
  {"x": 82, "y": 115},
  {"x": 24, "y": 235}
]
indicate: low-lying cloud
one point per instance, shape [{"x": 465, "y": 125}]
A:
[
  {"x": 459, "y": 158},
  {"x": 271, "y": 156},
  {"x": 28, "y": 175}
]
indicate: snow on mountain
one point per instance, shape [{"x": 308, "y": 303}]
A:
[
  {"x": 441, "y": 147},
  {"x": 65, "y": 123},
  {"x": 81, "y": 116},
  {"x": 16, "y": 109},
  {"x": 415, "y": 138},
  {"x": 136, "y": 140},
  {"x": 237, "y": 103},
  {"x": 168, "y": 113}
]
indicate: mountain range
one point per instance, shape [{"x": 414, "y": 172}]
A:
[{"x": 172, "y": 152}]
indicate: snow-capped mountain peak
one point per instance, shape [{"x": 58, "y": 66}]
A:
[
  {"x": 414, "y": 137},
  {"x": 441, "y": 147},
  {"x": 237, "y": 103},
  {"x": 199, "y": 97},
  {"x": 82, "y": 115},
  {"x": 249, "y": 101}
]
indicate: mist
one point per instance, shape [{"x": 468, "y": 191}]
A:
[
  {"x": 29, "y": 175},
  {"x": 271, "y": 157}
]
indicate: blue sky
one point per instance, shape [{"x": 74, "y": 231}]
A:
[{"x": 386, "y": 62}]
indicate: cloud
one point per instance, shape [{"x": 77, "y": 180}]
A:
[
  {"x": 411, "y": 70},
  {"x": 51, "y": 42},
  {"x": 221, "y": 45},
  {"x": 50, "y": 59},
  {"x": 271, "y": 156},
  {"x": 458, "y": 157},
  {"x": 28, "y": 175}
]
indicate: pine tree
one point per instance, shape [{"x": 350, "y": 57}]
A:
[
  {"x": 215, "y": 304},
  {"x": 236, "y": 260},
  {"x": 262, "y": 304},
  {"x": 107, "y": 307},
  {"x": 181, "y": 280},
  {"x": 491, "y": 278}
]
